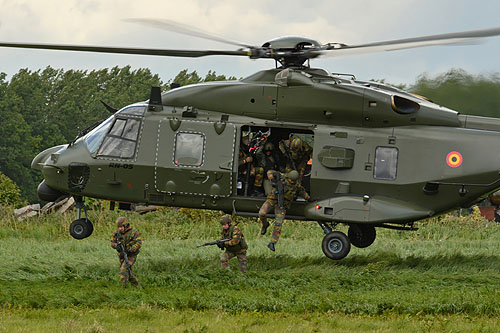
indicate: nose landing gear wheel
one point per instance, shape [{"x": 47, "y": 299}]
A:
[
  {"x": 336, "y": 245},
  {"x": 81, "y": 228}
]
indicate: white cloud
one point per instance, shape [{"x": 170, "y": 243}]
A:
[{"x": 255, "y": 22}]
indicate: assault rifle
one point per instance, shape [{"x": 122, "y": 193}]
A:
[
  {"x": 279, "y": 188},
  {"x": 219, "y": 243},
  {"x": 123, "y": 254}
]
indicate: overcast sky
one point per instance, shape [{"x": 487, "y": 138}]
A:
[{"x": 100, "y": 22}]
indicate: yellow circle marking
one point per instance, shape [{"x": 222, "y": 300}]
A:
[{"x": 454, "y": 159}]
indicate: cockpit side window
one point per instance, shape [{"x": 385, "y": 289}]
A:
[
  {"x": 121, "y": 140},
  {"x": 118, "y": 127},
  {"x": 94, "y": 138}
]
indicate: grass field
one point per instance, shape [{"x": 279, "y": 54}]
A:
[{"x": 443, "y": 277}]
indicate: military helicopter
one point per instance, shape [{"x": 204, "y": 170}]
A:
[{"x": 382, "y": 157}]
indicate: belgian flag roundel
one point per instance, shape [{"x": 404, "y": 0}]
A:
[{"x": 454, "y": 159}]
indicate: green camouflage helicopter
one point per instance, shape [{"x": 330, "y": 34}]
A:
[{"x": 381, "y": 157}]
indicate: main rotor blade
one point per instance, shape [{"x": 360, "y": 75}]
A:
[
  {"x": 407, "y": 43},
  {"x": 126, "y": 50},
  {"x": 185, "y": 30}
]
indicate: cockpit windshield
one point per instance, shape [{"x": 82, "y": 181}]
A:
[{"x": 94, "y": 138}]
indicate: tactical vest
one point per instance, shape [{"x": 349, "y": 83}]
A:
[
  {"x": 290, "y": 190},
  {"x": 126, "y": 238},
  {"x": 242, "y": 245}
]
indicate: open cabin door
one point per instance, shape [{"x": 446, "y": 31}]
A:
[{"x": 195, "y": 158}]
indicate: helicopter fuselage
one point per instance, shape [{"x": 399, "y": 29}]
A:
[{"x": 380, "y": 155}]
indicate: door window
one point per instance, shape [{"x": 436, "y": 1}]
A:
[
  {"x": 189, "y": 149},
  {"x": 386, "y": 163}
]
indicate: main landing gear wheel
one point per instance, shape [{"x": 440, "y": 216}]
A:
[
  {"x": 81, "y": 228},
  {"x": 336, "y": 245},
  {"x": 361, "y": 235}
]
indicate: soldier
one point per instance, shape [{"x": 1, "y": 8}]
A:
[
  {"x": 245, "y": 166},
  {"x": 280, "y": 198},
  {"x": 236, "y": 247},
  {"x": 267, "y": 159},
  {"x": 297, "y": 153},
  {"x": 132, "y": 242},
  {"x": 244, "y": 158}
]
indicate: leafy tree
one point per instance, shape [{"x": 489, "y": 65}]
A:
[
  {"x": 212, "y": 76},
  {"x": 463, "y": 92},
  {"x": 9, "y": 191},
  {"x": 40, "y": 109},
  {"x": 17, "y": 144},
  {"x": 184, "y": 78}
]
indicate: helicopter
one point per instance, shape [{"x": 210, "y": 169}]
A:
[{"x": 381, "y": 157}]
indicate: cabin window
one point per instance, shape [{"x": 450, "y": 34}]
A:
[
  {"x": 386, "y": 163},
  {"x": 121, "y": 139},
  {"x": 189, "y": 149}
]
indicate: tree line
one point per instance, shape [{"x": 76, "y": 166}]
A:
[{"x": 44, "y": 108}]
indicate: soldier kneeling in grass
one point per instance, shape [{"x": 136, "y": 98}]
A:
[
  {"x": 127, "y": 242},
  {"x": 236, "y": 246}
]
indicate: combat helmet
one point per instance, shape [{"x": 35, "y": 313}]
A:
[
  {"x": 226, "y": 219},
  {"x": 122, "y": 222},
  {"x": 268, "y": 146},
  {"x": 297, "y": 144},
  {"x": 293, "y": 175}
]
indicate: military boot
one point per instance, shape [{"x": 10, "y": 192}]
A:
[
  {"x": 265, "y": 225},
  {"x": 271, "y": 246}
]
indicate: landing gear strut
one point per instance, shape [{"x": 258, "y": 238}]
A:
[
  {"x": 336, "y": 245},
  {"x": 81, "y": 227}
]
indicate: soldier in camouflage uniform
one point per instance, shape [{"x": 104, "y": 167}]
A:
[
  {"x": 132, "y": 242},
  {"x": 267, "y": 159},
  {"x": 297, "y": 153},
  {"x": 245, "y": 159},
  {"x": 292, "y": 187},
  {"x": 236, "y": 247}
]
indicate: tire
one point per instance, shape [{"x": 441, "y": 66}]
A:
[
  {"x": 81, "y": 228},
  {"x": 361, "y": 235},
  {"x": 336, "y": 245}
]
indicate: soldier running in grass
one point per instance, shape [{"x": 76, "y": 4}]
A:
[
  {"x": 127, "y": 242},
  {"x": 285, "y": 187},
  {"x": 235, "y": 247}
]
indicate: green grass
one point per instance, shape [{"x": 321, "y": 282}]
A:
[
  {"x": 445, "y": 276},
  {"x": 150, "y": 319}
]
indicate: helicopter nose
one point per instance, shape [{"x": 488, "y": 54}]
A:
[{"x": 47, "y": 193}]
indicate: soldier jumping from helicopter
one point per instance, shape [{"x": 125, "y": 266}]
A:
[
  {"x": 285, "y": 187},
  {"x": 297, "y": 153},
  {"x": 266, "y": 159}
]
